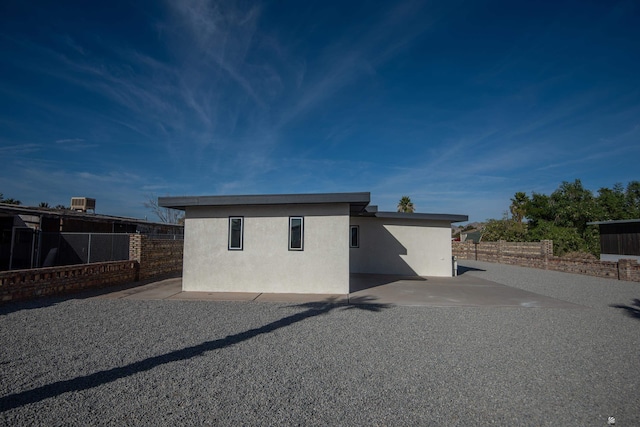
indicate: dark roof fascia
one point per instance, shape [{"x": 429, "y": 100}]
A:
[
  {"x": 419, "y": 216},
  {"x": 357, "y": 201},
  {"x": 69, "y": 214},
  {"x": 618, "y": 221}
]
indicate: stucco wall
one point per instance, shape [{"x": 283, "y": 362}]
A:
[
  {"x": 404, "y": 247},
  {"x": 265, "y": 264}
]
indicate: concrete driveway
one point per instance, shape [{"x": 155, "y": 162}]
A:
[{"x": 463, "y": 290}]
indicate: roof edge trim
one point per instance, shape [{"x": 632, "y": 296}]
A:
[
  {"x": 361, "y": 199},
  {"x": 423, "y": 216}
]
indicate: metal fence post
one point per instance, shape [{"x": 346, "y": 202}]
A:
[{"x": 89, "y": 250}]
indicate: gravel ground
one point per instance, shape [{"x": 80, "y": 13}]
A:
[{"x": 126, "y": 362}]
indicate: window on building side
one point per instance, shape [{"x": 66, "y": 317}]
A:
[
  {"x": 296, "y": 233},
  {"x": 354, "y": 241},
  {"x": 236, "y": 229}
]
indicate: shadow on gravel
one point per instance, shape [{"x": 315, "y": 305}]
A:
[
  {"x": 632, "y": 310},
  {"x": 11, "y": 307},
  {"x": 48, "y": 301},
  {"x": 96, "y": 379},
  {"x": 463, "y": 269}
]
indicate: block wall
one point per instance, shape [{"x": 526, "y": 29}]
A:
[
  {"x": 148, "y": 258},
  {"x": 156, "y": 257},
  {"x": 18, "y": 285},
  {"x": 540, "y": 255}
]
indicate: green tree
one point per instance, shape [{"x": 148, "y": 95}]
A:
[
  {"x": 505, "y": 229},
  {"x": 539, "y": 208},
  {"x": 405, "y": 205},
  {"x": 573, "y": 205},
  {"x": 563, "y": 216},
  {"x": 611, "y": 203},
  {"x": 518, "y": 206},
  {"x": 632, "y": 200},
  {"x": 43, "y": 205},
  {"x": 565, "y": 239}
]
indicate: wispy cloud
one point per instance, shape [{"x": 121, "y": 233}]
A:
[
  {"x": 598, "y": 156},
  {"x": 629, "y": 135},
  {"x": 192, "y": 102},
  {"x": 343, "y": 63},
  {"x": 111, "y": 177},
  {"x": 206, "y": 96},
  {"x": 70, "y": 141},
  {"x": 117, "y": 193},
  {"x": 20, "y": 149},
  {"x": 74, "y": 144},
  {"x": 223, "y": 36}
]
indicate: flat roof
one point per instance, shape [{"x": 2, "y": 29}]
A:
[
  {"x": 423, "y": 216},
  {"x": 357, "y": 201},
  {"x": 10, "y": 210},
  {"x": 617, "y": 221}
]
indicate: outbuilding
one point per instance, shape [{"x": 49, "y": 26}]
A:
[
  {"x": 619, "y": 239},
  {"x": 305, "y": 243}
]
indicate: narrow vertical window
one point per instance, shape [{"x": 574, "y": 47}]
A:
[
  {"x": 354, "y": 241},
  {"x": 236, "y": 228},
  {"x": 296, "y": 233}
]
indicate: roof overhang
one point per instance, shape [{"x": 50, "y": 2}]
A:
[
  {"x": 358, "y": 204},
  {"x": 419, "y": 216},
  {"x": 357, "y": 201},
  {"x": 619, "y": 221}
]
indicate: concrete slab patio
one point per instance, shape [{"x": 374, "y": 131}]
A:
[
  {"x": 159, "y": 290},
  {"x": 171, "y": 289},
  {"x": 463, "y": 290}
]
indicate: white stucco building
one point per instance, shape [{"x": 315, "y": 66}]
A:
[{"x": 305, "y": 243}]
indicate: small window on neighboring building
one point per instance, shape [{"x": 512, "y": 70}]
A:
[
  {"x": 236, "y": 229},
  {"x": 296, "y": 233},
  {"x": 354, "y": 241}
]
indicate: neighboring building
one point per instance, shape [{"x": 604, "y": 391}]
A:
[
  {"x": 619, "y": 239},
  {"x": 471, "y": 236},
  {"x": 305, "y": 243},
  {"x": 34, "y": 237}
]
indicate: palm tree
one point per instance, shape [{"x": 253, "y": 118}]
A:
[
  {"x": 405, "y": 205},
  {"x": 9, "y": 201},
  {"x": 518, "y": 206},
  {"x": 43, "y": 205}
]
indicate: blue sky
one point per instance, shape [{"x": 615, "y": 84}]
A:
[{"x": 457, "y": 104}]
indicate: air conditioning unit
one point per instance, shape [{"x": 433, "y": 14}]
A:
[{"x": 83, "y": 204}]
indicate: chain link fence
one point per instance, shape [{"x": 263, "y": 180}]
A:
[
  {"x": 33, "y": 249},
  {"x": 82, "y": 248}
]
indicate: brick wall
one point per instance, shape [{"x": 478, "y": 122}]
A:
[
  {"x": 28, "y": 284},
  {"x": 157, "y": 257},
  {"x": 528, "y": 254},
  {"x": 540, "y": 255},
  {"x": 605, "y": 269},
  {"x": 148, "y": 258},
  {"x": 629, "y": 269}
]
